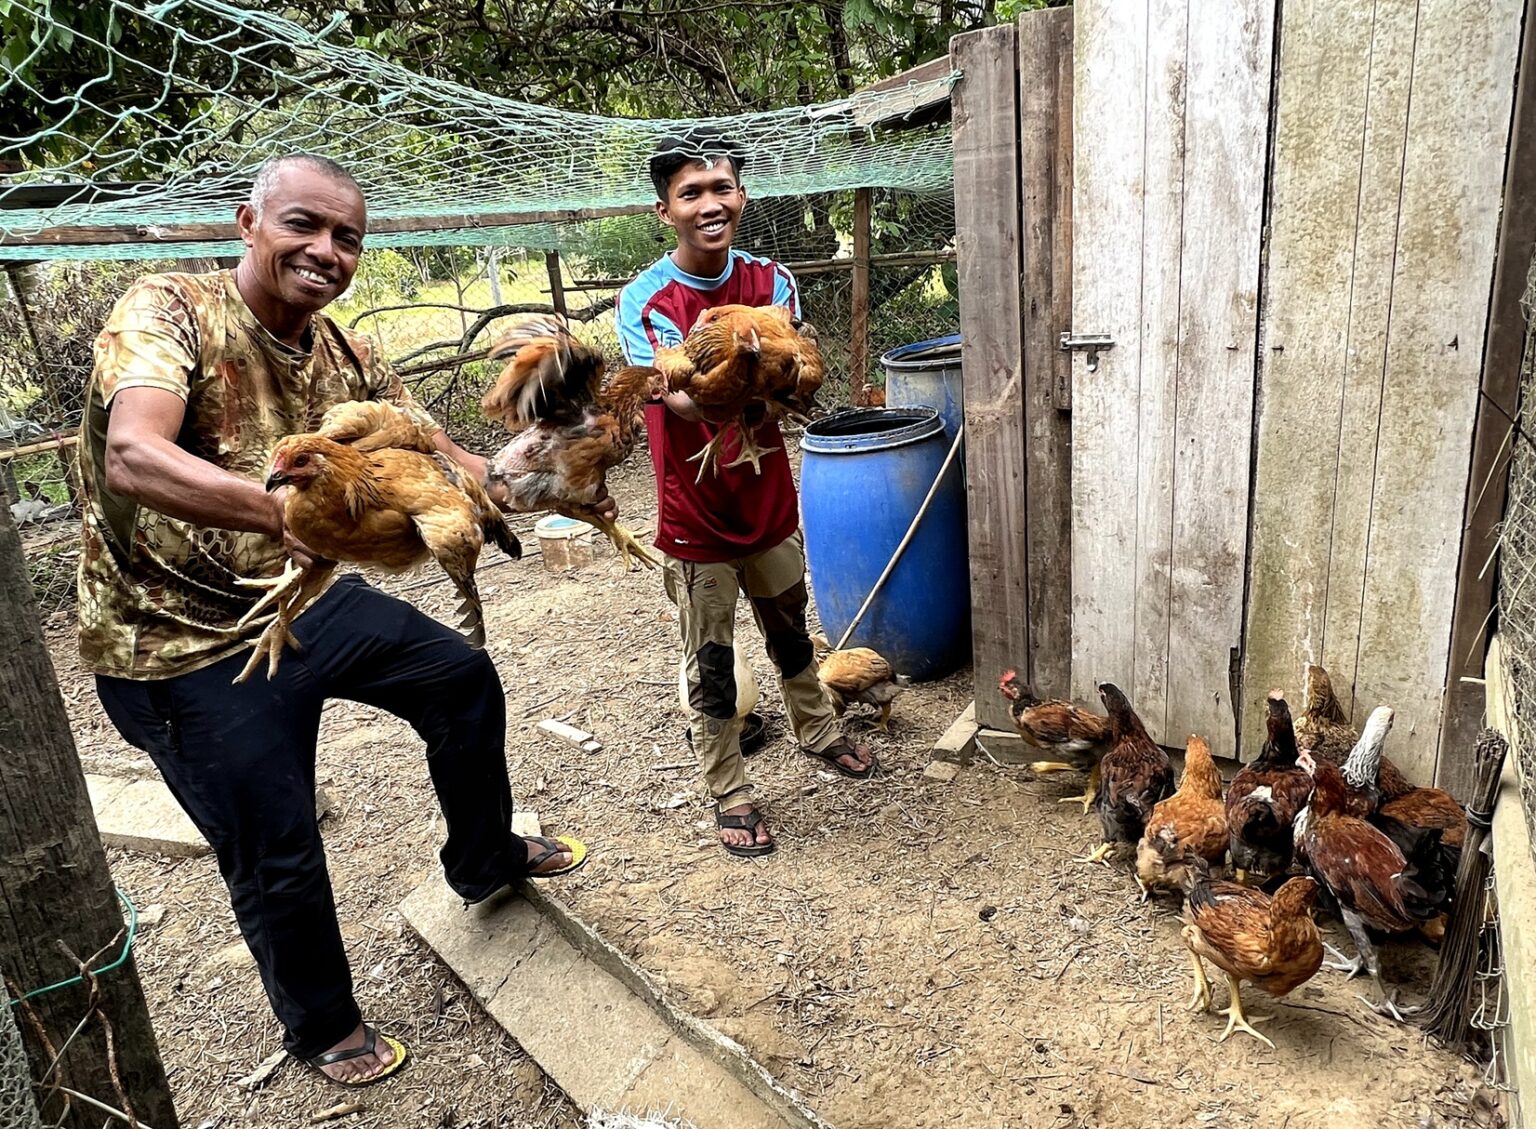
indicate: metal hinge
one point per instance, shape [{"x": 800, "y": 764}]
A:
[{"x": 1091, "y": 343}]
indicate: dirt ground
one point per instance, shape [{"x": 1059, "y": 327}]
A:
[{"x": 916, "y": 954}]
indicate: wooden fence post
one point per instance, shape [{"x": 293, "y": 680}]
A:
[
  {"x": 858, "y": 345},
  {"x": 1045, "y": 163},
  {"x": 54, "y": 882},
  {"x": 556, "y": 286},
  {"x": 1488, "y": 484}
]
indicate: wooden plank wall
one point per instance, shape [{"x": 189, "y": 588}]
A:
[
  {"x": 1045, "y": 162},
  {"x": 1391, "y": 127},
  {"x": 1171, "y": 119},
  {"x": 987, "y": 239},
  {"x": 1487, "y": 486},
  {"x": 1013, "y": 218}
]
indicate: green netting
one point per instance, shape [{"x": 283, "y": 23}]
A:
[{"x": 187, "y": 111}]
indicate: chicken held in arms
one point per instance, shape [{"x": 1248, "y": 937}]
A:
[
  {"x": 368, "y": 488},
  {"x": 1133, "y": 776},
  {"x": 1271, "y": 942},
  {"x": 572, "y": 423},
  {"x": 858, "y": 674},
  {"x": 1193, "y": 819},
  {"x": 1076, "y": 737},
  {"x": 744, "y": 363}
]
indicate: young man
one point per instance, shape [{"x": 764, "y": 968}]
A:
[
  {"x": 735, "y": 530},
  {"x": 196, "y": 377}
]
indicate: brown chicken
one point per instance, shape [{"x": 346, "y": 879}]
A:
[
  {"x": 1192, "y": 820},
  {"x": 391, "y": 508},
  {"x": 737, "y": 358},
  {"x": 1323, "y": 730},
  {"x": 1133, "y": 776},
  {"x": 1264, "y": 798},
  {"x": 570, "y": 425},
  {"x": 1060, "y": 728},
  {"x": 858, "y": 674},
  {"x": 1375, "y": 884},
  {"x": 1271, "y": 942},
  {"x": 1322, "y": 727}
]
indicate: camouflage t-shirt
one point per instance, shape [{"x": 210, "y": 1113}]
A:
[{"x": 159, "y": 596}]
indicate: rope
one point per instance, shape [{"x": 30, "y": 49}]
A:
[{"x": 122, "y": 957}]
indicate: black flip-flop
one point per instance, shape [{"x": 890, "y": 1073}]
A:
[
  {"x": 371, "y": 1037},
  {"x": 843, "y": 749},
  {"x": 748, "y": 822}
]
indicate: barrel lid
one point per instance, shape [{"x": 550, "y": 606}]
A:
[
  {"x": 871, "y": 429},
  {"x": 935, "y": 353},
  {"x": 558, "y": 526}
]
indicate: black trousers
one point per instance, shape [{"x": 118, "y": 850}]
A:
[{"x": 241, "y": 762}]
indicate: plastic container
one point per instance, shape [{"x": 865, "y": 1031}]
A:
[
  {"x": 927, "y": 373},
  {"x": 863, "y": 478},
  {"x": 564, "y": 543}
]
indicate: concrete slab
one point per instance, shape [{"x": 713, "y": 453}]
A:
[
  {"x": 602, "y": 1031},
  {"x": 142, "y": 815},
  {"x": 942, "y": 771}
]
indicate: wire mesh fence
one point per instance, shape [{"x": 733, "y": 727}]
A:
[
  {"x": 1517, "y": 568},
  {"x": 435, "y": 310}
]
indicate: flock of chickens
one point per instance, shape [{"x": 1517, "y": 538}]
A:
[
  {"x": 370, "y": 488},
  {"x": 1321, "y": 799}
]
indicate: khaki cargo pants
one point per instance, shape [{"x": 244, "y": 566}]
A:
[{"x": 705, "y": 595}]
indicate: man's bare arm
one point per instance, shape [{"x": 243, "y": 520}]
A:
[{"x": 145, "y": 464}]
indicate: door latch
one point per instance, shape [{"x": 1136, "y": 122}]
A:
[{"x": 1091, "y": 343}]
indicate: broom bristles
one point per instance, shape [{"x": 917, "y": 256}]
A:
[{"x": 1447, "y": 1014}]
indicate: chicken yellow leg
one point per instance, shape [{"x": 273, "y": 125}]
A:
[
  {"x": 1236, "y": 1020},
  {"x": 708, "y": 458},
  {"x": 1101, "y": 855},
  {"x": 1201, "y": 1000},
  {"x": 629, "y": 547},
  {"x": 291, "y": 593},
  {"x": 750, "y": 451}
]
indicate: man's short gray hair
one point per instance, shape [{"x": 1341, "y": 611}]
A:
[{"x": 272, "y": 167}]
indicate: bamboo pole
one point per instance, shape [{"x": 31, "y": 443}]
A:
[{"x": 57, "y": 443}]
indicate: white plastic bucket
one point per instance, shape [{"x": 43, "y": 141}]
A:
[{"x": 564, "y": 542}]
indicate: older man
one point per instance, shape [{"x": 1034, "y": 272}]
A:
[{"x": 196, "y": 377}]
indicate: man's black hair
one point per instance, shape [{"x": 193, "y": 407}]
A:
[{"x": 700, "y": 145}]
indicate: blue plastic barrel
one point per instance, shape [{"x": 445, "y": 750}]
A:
[
  {"x": 863, "y": 478},
  {"x": 927, "y": 373}
]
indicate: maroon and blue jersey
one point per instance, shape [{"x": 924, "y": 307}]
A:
[{"x": 736, "y": 512}]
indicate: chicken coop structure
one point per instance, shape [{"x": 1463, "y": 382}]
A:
[{"x": 1240, "y": 299}]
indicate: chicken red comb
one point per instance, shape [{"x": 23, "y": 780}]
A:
[{"x": 1008, "y": 676}]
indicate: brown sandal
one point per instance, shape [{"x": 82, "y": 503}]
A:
[
  {"x": 841, "y": 748},
  {"x": 748, "y": 822}
]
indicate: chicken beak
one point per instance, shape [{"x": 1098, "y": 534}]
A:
[{"x": 275, "y": 479}]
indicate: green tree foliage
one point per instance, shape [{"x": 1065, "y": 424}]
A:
[{"x": 659, "y": 58}]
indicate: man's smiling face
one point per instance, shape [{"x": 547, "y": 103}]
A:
[
  {"x": 302, "y": 250},
  {"x": 703, "y": 205}
]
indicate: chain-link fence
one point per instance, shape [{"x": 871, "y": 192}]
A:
[
  {"x": 434, "y": 310},
  {"x": 1517, "y": 568}
]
